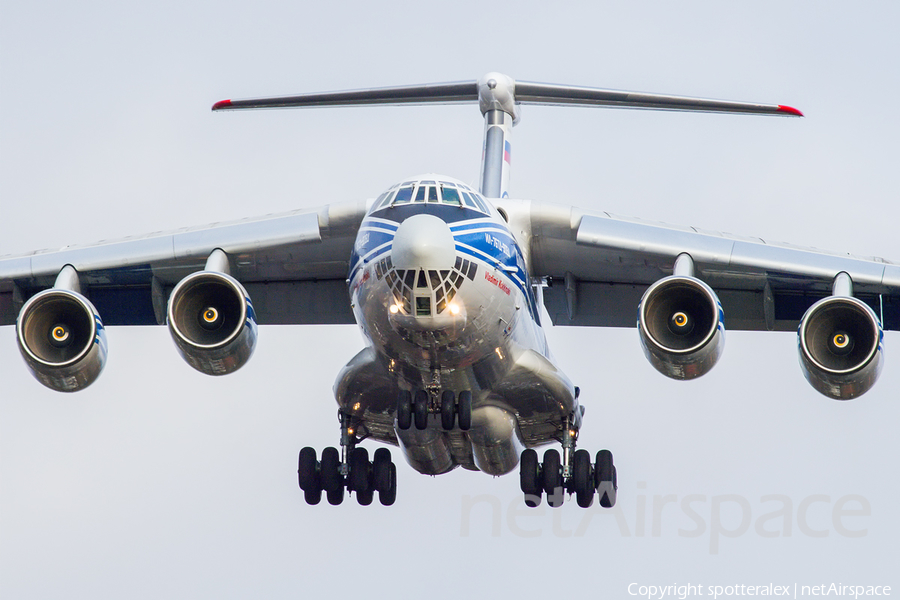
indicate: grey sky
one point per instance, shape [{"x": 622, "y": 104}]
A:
[{"x": 159, "y": 482}]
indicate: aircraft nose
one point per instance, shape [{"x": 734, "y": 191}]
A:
[{"x": 423, "y": 242}]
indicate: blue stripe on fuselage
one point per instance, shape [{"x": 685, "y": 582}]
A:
[{"x": 477, "y": 236}]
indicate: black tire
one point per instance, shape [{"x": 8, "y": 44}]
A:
[
  {"x": 583, "y": 480},
  {"x": 381, "y": 472},
  {"x": 307, "y": 474},
  {"x": 359, "y": 477},
  {"x": 530, "y": 478},
  {"x": 448, "y": 410},
  {"x": 313, "y": 496},
  {"x": 404, "y": 409},
  {"x": 464, "y": 410},
  {"x": 335, "y": 497},
  {"x": 388, "y": 497},
  {"x": 552, "y": 478},
  {"x": 605, "y": 479},
  {"x": 365, "y": 498},
  {"x": 330, "y": 471},
  {"x": 420, "y": 409},
  {"x": 529, "y": 474}
]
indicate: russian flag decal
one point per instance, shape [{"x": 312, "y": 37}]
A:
[{"x": 507, "y": 150}]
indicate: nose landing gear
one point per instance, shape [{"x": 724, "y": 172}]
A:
[
  {"x": 348, "y": 470},
  {"x": 455, "y": 410},
  {"x": 572, "y": 473}
]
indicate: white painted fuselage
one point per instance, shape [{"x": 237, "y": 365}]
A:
[{"x": 441, "y": 291}]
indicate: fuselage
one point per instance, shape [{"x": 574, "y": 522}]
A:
[
  {"x": 450, "y": 292},
  {"x": 441, "y": 291}
]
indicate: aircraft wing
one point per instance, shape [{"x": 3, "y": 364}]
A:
[
  {"x": 601, "y": 264},
  {"x": 293, "y": 265}
]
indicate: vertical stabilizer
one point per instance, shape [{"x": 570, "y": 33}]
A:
[{"x": 497, "y": 100}]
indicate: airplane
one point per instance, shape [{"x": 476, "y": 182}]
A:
[{"x": 450, "y": 285}]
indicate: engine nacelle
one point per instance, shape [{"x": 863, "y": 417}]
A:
[
  {"x": 211, "y": 319},
  {"x": 62, "y": 340},
  {"x": 680, "y": 321},
  {"x": 840, "y": 345}
]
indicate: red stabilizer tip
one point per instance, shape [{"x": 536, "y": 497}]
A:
[
  {"x": 790, "y": 110},
  {"x": 227, "y": 103}
]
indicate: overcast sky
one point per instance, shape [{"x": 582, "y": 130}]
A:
[{"x": 160, "y": 482}]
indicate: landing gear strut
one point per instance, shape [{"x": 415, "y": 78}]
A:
[
  {"x": 572, "y": 473},
  {"x": 349, "y": 469}
]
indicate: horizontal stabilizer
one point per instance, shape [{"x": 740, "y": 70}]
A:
[
  {"x": 565, "y": 95},
  {"x": 519, "y": 92},
  {"x": 436, "y": 93}
]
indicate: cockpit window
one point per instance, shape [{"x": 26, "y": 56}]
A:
[
  {"x": 404, "y": 195},
  {"x": 384, "y": 199},
  {"x": 450, "y": 195},
  {"x": 480, "y": 202},
  {"x": 433, "y": 192}
]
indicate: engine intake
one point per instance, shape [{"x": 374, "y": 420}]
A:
[
  {"x": 62, "y": 340},
  {"x": 680, "y": 321},
  {"x": 211, "y": 319},
  {"x": 840, "y": 345}
]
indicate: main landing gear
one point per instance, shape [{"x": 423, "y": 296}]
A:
[
  {"x": 573, "y": 474},
  {"x": 350, "y": 469},
  {"x": 452, "y": 408}
]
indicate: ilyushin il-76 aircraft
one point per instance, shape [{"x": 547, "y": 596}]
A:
[{"x": 448, "y": 283}]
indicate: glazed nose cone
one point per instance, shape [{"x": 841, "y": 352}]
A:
[{"x": 423, "y": 242}]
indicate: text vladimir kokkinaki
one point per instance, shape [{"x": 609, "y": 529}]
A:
[{"x": 661, "y": 592}]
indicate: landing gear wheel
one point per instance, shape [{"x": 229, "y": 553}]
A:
[
  {"x": 420, "y": 409},
  {"x": 307, "y": 475},
  {"x": 330, "y": 475},
  {"x": 465, "y": 410},
  {"x": 552, "y": 478},
  {"x": 388, "y": 496},
  {"x": 529, "y": 478},
  {"x": 313, "y": 496},
  {"x": 404, "y": 409},
  {"x": 448, "y": 409},
  {"x": 365, "y": 498},
  {"x": 605, "y": 478},
  {"x": 359, "y": 472},
  {"x": 583, "y": 480},
  {"x": 380, "y": 471},
  {"x": 335, "y": 497},
  {"x": 384, "y": 476}
]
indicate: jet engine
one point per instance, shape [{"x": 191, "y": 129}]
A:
[
  {"x": 62, "y": 340},
  {"x": 680, "y": 321},
  {"x": 211, "y": 319},
  {"x": 840, "y": 345}
]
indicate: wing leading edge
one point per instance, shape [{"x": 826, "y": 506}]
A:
[
  {"x": 293, "y": 265},
  {"x": 602, "y": 264}
]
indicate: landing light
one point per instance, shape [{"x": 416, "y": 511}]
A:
[
  {"x": 394, "y": 309},
  {"x": 454, "y": 308}
]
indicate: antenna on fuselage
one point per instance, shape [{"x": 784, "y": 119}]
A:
[{"x": 499, "y": 97}]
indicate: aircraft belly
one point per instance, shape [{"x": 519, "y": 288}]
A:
[{"x": 520, "y": 400}]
